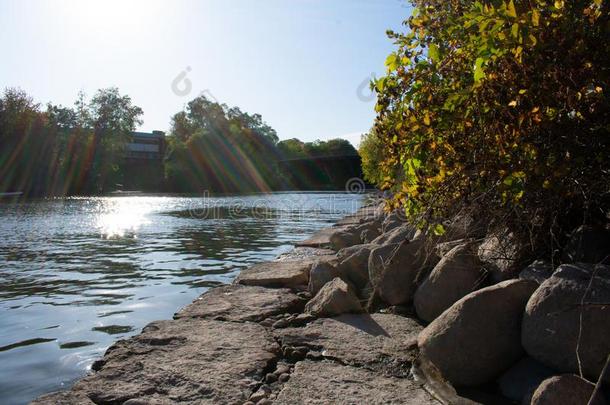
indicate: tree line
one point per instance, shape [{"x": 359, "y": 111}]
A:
[{"x": 80, "y": 150}]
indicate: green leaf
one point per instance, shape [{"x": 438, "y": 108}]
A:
[
  {"x": 391, "y": 62},
  {"x": 514, "y": 31},
  {"x": 434, "y": 53},
  {"x": 479, "y": 72},
  {"x": 438, "y": 230}
]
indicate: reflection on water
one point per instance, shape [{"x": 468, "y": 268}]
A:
[{"x": 77, "y": 274}]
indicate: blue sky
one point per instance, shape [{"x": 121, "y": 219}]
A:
[{"x": 299, "y": 63}]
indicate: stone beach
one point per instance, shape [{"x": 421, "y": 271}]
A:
[{"x": 370, "y": 311}]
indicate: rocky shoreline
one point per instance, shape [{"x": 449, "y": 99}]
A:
[{"x": 370, "y": 311}]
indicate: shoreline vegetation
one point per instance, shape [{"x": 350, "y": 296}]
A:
[
  {"x": 81, "y": 150},
  {"x": 371, "y": 309}
]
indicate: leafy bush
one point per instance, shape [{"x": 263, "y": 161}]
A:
[{"x": 502, "y": 104}]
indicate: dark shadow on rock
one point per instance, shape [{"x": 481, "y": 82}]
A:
[{"x": 363, "y": 322}]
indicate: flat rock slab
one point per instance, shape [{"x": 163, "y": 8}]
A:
[
  {"x": 279, "y": 274},
  {"x": 382, "y": 342},
  {"x": 331, "y": 383},
  {"x": 321, "y": 239},
  {"x": 300, "y": 253},
  {"x": 187, "y": 361},
  {"x": 240, "y": 303}
]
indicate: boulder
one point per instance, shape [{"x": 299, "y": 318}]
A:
[
  {"x": 501, "y": 256},
  {"x": 335, "y": 298},
  {"x": 63, "y": 398},
  {"x": 393, "y": 220},
  {"x": 399, "y": 234},
  {"x": 566, "y": 389},
  {"x": 279, "y": 274},
  {"x": 478, "y": 337},
  {"x": 321, "y": 239},
  {"x": 442, "y": 248},
  {"x": 588, "y": 245},
  {"x": 552, "y": 322},
  {"x": 368, "y": 235},
  {"x": 325, "y": 382},
  {"x": 240, "y": 303},
  {"x": 353, "y": 264},
  {"x": 394, "y": 268},
  {"x": 457, "y": 274},
  {"x": 523, "y": 378},
  {"x": 345, "y": 238},
  {"x": 539, "y": 271},
  {"x": 321, "y": 273}
]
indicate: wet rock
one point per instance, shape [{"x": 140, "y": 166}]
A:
[
  {"x": 63, "y": 398},
  {"x": 539, "y": 271},
  {"x": 278, "y": 274},
  {"x": 394, "y": 268},
  {"x": 399, "y": 234},
  {"x": 501, "y": 256},
  {"x": 353, "y": 264},
  {"x": 457, "y": 274},
  {"x": 588, "y": 245},
  {"x": 478, "y": 337},
  {"x": 379, "y": 341},
  {"x": 551, "y": 324},
  {"x": 345, "y": 238},
  {"x": 190, "y": 361},
  {"x": 330, "y": 383},
  {"x": 321, "y": 273},
  {"x": 241, "y": 303},
  {"x": 335, "y": 298},
  {"x": 522, "y": 378},
  {"x": 566, "y": 390}
]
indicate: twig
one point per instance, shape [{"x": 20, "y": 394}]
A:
[{"x": 600, "y": 380}]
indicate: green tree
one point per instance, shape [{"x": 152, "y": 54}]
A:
[{"x": 501, "y": 103}]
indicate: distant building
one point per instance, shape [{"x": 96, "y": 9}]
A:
[
  {"x": 146, "y": 146},
  {"x": 143, "y": 168}
]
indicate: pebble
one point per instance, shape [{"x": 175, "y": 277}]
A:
[
  {"x": 284, "y": 377},
  {"x": 282, "y": 323},
  {"x": 270, "y": 378},
  {"x": 258, "y": 396}
]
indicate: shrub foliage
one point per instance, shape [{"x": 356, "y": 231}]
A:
[{"x": 502, "y": 104}]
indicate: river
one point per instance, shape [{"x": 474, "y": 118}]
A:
[{"x": 77, "y": 274}]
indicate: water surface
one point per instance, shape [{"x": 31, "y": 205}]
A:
[{"x": 77, "y": 274}]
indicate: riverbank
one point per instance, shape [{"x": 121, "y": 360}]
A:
[{"x": 295, "y": 330}]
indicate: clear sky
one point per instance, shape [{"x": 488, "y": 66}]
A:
[{"x": 299, "y": 63}]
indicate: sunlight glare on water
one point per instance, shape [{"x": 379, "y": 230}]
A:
[{"x": 121, "y": 218}]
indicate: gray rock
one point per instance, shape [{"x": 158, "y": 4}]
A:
[
  {"x": 566, "y": 390},
  {"x": 442, "y": 248},
  {"x": 191, "y": 361},
  {"x": 353, "y": 264},
  {"x": 394, "y": 268},
  {"x": 345, "y": 238},
  {"x": 241, "y": 303},
  {"x": 324, "y": 382},
  {"x": 588, "y": 245},
  {"x": 284, "y": 377},
  {"x": 335, "y": 298},
  {"x": 399, "y": 234},
  {"x": 321, "y": 273},
  {"x": 523, "y": 378},
  {"x": 478, "y": 337},
  {"x": 278, "y": 274},
  {"x": 501, "y": 256},
  {"x": 552, "y": 319},
  {"x": 393, "y": 220},
  {"x": 457, "y": 274},
  {"x": 539, "y": 271},
  {"x": 321, "y": 239},
  {"x": 382, "y": 342}
]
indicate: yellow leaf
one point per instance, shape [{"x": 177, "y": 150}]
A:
[
  {"x": 427, "y": 119},
  {"x": 522, "y": 91},
  {"x": 535, "y": 17},
  {"x": 535, "y": 109},
  {"x": 513, "y": 103},
  {"x": 510, "y": 8},
  {"x": 559, "y": 4},
  {"x": 598, "y": 89}
]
